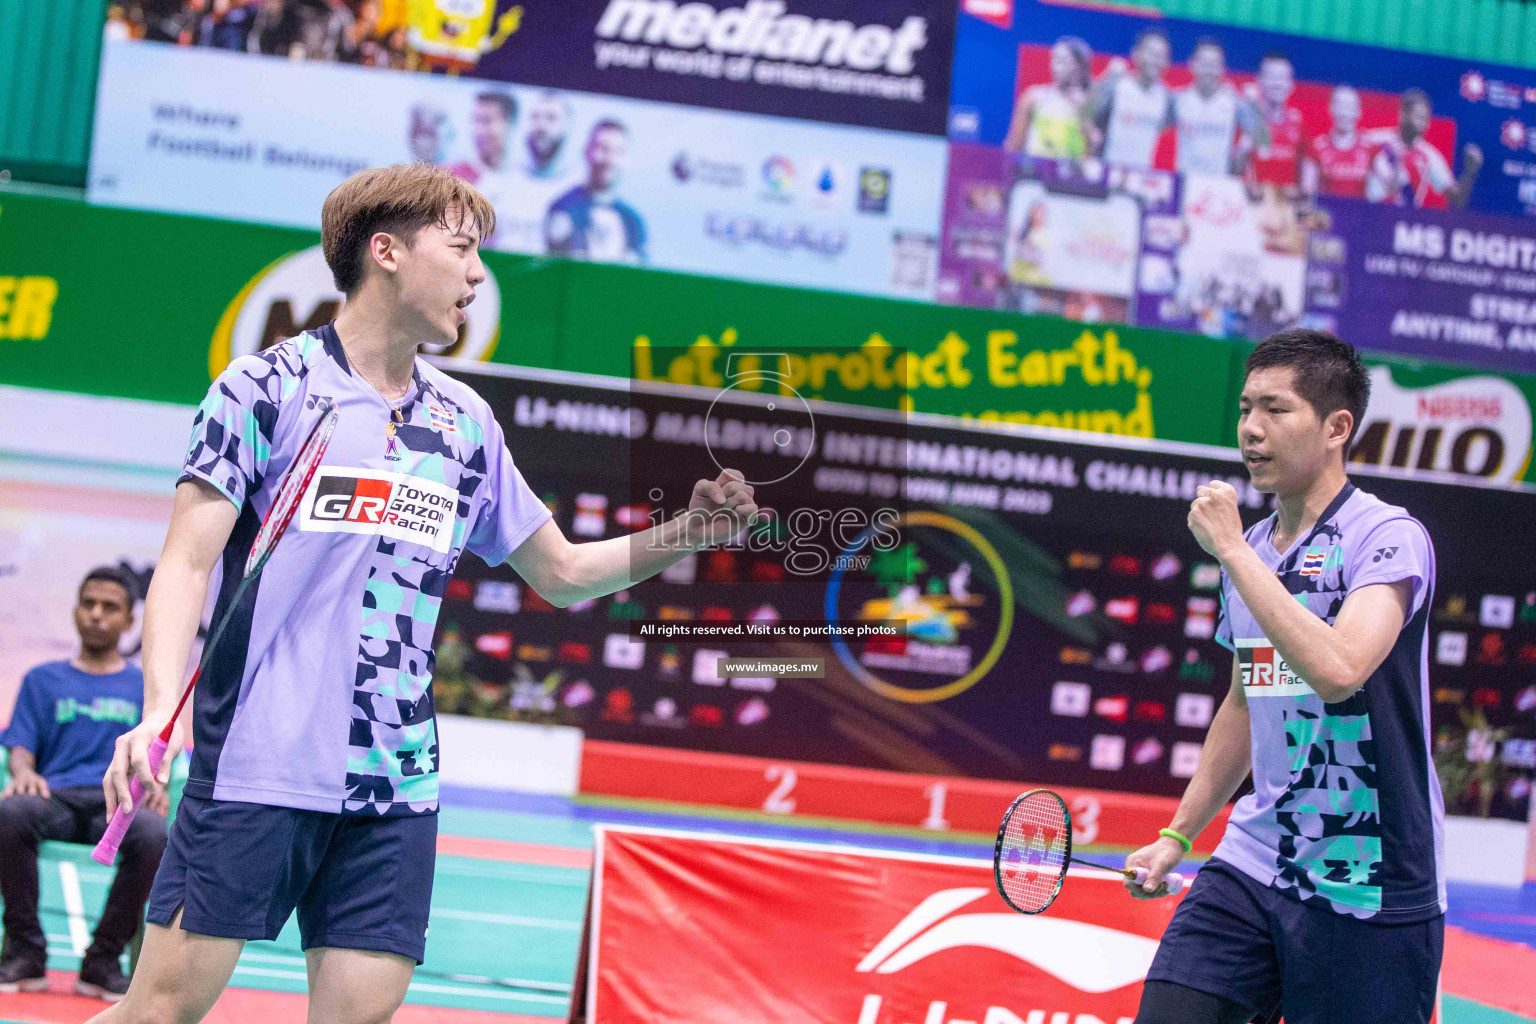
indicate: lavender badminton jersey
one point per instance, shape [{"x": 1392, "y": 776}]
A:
[
  {"x": 1345, "y": 808},
  {"x": 319, "y": 696}
]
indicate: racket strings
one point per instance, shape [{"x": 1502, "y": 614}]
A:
[{"x": 1033, "y": 852}]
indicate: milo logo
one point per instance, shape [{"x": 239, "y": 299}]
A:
[
  {"x": 1472, "y": 426},
  {"x": 295, "y": 294}
]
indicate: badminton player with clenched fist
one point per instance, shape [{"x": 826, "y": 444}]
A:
[
  {"x": 1325, "y": 899},
  {"x": 313, "y": 783}
]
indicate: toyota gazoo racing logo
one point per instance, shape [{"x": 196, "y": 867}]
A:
[
  {"x": 296, "y": 293},
  {"x": 1266, "y": 673},
  {"x": 1087, "y": 957},
  {"x": 393, "y": 505}
]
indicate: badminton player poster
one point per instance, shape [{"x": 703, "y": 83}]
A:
[
  {"x": 1269, "y": 187},
  {"x": 598, "y": 178},
  {"x": 1056, "y": 81}
]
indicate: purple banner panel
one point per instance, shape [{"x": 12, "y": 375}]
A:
[{"x": 1459, "y": 287}]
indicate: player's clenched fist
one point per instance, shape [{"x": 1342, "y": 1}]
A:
[
  {"x": 728, "y": 502},
  {"x": 1214, "y": 519}
]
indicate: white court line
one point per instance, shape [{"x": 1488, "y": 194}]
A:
[
  {"x": 475, "y": 979},
  {"x": 510, "y": 875},
  {"x": 531, "y": 922},
  {"x": 417, "y": 986},
  {"x": 454, "y": 990},
  {"x": 273, "y": 958},
  {"x": 74, "y": 906},
  {"x": 267, "y": 972}
]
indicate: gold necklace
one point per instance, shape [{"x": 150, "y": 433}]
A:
[{"x": 395, "y": 417}]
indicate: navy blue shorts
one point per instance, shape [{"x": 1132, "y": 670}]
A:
[
  {"x": 1235, "y": 938},
  {"x": 238, "y": 870}
]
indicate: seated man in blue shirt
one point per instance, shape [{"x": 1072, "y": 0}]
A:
[{"x": 68, "y": 717}]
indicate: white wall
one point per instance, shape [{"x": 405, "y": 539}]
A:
[
  {"x": 509, "y": 755},
  {"x": 1488, "y": 851}
]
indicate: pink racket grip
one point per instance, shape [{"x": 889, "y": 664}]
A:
[
  {"x": 106, "y": 850},
  {"x": 1173, "y": 880}
]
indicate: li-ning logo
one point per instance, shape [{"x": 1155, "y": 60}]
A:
[
  {"x": 393, "y": 505},
  {"x": 1089, "y": 957}
]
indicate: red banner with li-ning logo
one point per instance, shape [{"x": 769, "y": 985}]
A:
[
  {"x": 697, "y": 929},
  {"x": 692, "y": 928}
]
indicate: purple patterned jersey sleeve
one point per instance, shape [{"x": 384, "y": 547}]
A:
[
  {"x": 232, "y": 432},
  {"x": 510, "y": 512},
  {"x": 1396, "y": 550}
]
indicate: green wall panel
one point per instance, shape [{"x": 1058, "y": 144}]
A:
[
  {"x": 1501, "y": 31},
  {"x": 49, "y": 50}
]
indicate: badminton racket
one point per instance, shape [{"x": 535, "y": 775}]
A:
[
  {"x": 1034, "y": 850},
  {"x": 289, "y": 493}
]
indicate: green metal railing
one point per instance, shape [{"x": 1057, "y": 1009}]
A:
[{"x": 1500, "y": 31}]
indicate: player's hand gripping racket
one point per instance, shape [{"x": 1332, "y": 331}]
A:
[
  {"x": 289, "y": 493},
  {"x": 1034, "y": 850}
]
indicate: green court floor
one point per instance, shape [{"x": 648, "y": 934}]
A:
[{"x": 504, "y": 934}]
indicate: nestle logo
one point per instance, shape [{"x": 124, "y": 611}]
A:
[{"x": 1461, "y": 407}]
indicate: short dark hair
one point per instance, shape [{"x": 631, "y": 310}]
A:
[
  {"x": 112, "y": 574},
  {"x": 1414, "y": 96},
  {"x": 608, "y": 124},
  {"x": 1329, "y": 373},
  {"x": 505, "y": 100},
  {"x": 401, "y": 199},
  {"x": 1275, "y": 55}
]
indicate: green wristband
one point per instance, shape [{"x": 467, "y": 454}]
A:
[{"x": 1183, "y": 841}]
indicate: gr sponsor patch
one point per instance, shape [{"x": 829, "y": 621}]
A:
[
  {"x": 370, "y": 501},
  {"x": 1265, "y": 672}
]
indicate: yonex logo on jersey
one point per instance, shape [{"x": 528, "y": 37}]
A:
[
  {"x": 1265, "y": 673},
  {"x": 393, "y": 505}
]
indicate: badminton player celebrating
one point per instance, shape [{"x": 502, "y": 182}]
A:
[
  {"x": 314, "y": 777},
  {"x": 1326, "y": 896}
]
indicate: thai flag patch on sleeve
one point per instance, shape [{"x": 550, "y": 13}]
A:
[{"x": 1312, "y": 562}]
